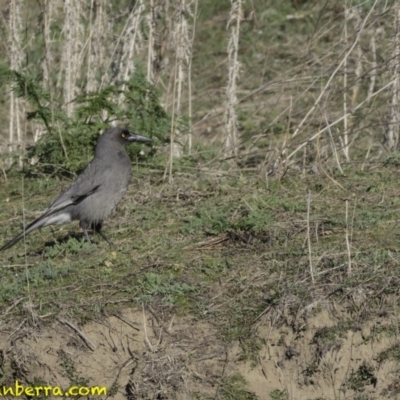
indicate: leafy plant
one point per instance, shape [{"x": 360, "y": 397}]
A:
[
  {"x": 154, "y": 284},
  {"x": 234, "y": 387},
  {"x": 362, "y": 377},
  {"x": 67, "y": 144}
]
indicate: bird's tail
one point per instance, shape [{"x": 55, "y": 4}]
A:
[
  {"x": 37, "y": 223},
  {"x": 54, "y": 215}
]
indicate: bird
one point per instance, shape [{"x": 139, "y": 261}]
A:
[{"x": 97, "y": 190}]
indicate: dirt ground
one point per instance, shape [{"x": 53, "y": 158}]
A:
[{"x": 138, "y": 354}]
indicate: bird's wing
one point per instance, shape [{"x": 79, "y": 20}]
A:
[
  {"x": 69, "y": 199},
  {"x": 86, "y": 184}
]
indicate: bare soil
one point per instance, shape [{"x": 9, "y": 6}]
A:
[{"x": 140, "y": 354}]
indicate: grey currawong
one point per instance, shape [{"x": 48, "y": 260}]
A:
[{"x": 96, "y": 192}]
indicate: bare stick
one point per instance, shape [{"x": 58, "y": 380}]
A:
[
  {"x": 312, "y": 109},
  {"x": 230, "y": 116},
  {"x": 172, "y": 137},
  {"x": 71, "y": 59},
  {"x": 393, "y": 128},
  {"x": 132, "y": 43},
  {"x": 190, "y": 78},
  {"x": 146, "y": 338},
  {"x": 347, "y": 239},
  {"x": 373, "y": 66},
  {"x": 345, "y": 133},
  {"x": 309, "y": 236},
  {"x": 126, "y": 322},
  {"x": 333, "y": 144},
  {"x": 338, "y": 120},
  {"x": 358, "y": 69},
  {"x": 16, "y": 56},
  {"x": 87, "y": 341},
  {"x": 150, "y": 51}
]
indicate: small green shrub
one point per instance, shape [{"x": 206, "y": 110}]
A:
[{"x": 68, "y": 143}]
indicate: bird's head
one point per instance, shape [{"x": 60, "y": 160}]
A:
[
  {"x": 122, "y": 136},
  {"x": 125, "y": 137}
]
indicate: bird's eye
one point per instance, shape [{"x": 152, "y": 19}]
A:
[{"x": 123, "y": 135}]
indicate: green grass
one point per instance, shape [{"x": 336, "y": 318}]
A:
[
  {"x": 223, "y": 250},
  {"x": 164, "y": 240},
  {"x": 234, "y": 387},
  {"x": 221, "y": 244}
]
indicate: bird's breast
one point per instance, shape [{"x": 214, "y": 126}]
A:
[{"x": 115, "y": 177}]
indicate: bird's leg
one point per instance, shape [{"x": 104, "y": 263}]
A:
[
  {"x": 87, "y": 235},
  {"x": 97, "y": 229},
  {"x": 105, "y": 237}
]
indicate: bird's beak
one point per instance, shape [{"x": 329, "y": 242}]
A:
[{"x": 134, "y": 137}]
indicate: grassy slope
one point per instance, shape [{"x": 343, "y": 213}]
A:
[
  {"x": 224, "y": 247},
  {"x": 227, "y": 250}
]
